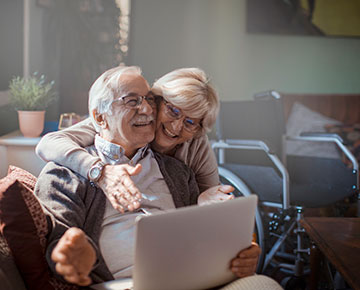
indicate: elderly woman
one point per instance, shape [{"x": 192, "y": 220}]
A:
[{"x": 187, "y": 109}]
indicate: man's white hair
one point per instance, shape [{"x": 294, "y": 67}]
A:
[{"x": 105, "y": 88}]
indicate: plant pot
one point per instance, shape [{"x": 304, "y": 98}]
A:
[{"x": 31, "y": 123}]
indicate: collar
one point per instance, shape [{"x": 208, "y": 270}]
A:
[{"x": 115, "y": 152}]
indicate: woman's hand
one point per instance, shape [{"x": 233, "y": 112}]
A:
[
  {"x": 119, "y": 188},
  {"x": 244, "y": 264},
  {"x": 216, "y": 194}
]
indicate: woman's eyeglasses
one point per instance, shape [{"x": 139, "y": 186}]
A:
[
  {"x": 134, "y": 101},
  {"x": 175, "y": 113}
]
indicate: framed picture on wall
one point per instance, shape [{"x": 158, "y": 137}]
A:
[{"x": 304, "y": 17}]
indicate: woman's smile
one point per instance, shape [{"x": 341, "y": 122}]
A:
[{"x": 168, "y": 133}]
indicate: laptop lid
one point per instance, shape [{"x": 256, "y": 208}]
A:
[{"x": 191, "y": 247}]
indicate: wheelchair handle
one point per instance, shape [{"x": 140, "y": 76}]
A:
[{"x": 256, "y": 145}]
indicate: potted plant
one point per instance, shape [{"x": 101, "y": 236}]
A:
[{"x": 30, "y": 97}]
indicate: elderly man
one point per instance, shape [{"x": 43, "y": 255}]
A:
[{"x": 85, "y": 226}]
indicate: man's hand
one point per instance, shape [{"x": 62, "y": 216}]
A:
[
  {"x": 244, "y": 264},
  {"x": 74, "y": 257},
  {"x": 119, "y": 188},
  {"x": 216, "y": 194}
]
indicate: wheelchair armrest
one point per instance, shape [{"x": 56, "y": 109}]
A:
[
  {"x": 241, "y": 144},
  {"x": 326, "y": 137},
  {"x": 321, "y": 134},
  {"x": 256, "y": 145}
]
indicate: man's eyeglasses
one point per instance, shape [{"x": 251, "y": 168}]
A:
[
  {"x": 134, "y": 101},
  {"x": 175, "y": 113}
]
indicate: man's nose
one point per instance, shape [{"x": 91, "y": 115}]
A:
[{"x": 145, "y": 108}]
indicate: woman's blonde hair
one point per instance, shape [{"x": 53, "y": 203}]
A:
[
  {"x": 103, "y": 90},
  {"x": 189, "y": 90}
]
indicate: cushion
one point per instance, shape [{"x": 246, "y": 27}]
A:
[
  {"x": 351, "y": 136},
  {"x": 302, "y": 119},
  {"x": 24, "y": 227},
  {"x": 10, "y": 277}
]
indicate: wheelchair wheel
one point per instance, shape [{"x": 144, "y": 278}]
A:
[{"x": 241, "y": 189}]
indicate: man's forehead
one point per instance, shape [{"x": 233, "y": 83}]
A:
[{"x": 129, "y": 83}]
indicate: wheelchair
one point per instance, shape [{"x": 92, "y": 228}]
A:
[{"x": 250, "y": 149}]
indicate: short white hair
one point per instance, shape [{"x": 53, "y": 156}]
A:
[
  {"x": 189, "y": 89},
  {"x": 101, "y": 94}
]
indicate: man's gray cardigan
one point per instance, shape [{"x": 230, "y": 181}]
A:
[{"x": 70, "y": 200}]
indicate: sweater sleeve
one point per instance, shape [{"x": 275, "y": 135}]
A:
[
  {"x": 64, "y": 196},
  {"x": 199, "y": 156},
  {"x": 66, "y": 147}
]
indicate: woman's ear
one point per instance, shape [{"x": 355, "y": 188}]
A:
[{"x": 100, "y": 119}]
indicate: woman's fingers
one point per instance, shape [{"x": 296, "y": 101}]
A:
[
  {"x": 216, "y": 194},
  {"x": 226, "y": 188}
]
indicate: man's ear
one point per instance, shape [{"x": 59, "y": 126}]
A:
[{"x": 100, "y": 119}]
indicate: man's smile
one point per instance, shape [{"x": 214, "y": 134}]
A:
[{"x": 143, "y": 124}]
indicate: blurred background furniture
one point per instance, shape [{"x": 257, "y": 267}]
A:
[
  {"x": 340, "y": 248},
  {"x": 17, "y": 150},
  {"x": 342, "y": 107},
  {"x": 340, "y": 110}
]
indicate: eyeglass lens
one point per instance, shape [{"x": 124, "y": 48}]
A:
[
  {"x": 175, "y": 113},
  {"x": 135, "y": 101}
]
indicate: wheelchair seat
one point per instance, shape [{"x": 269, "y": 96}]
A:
[
  {"x": 258, "y": 178},
  {"x": 331, "y": 182}
]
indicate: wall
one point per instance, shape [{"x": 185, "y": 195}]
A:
[
  {"x": 11, "y": 55},
  {"x": 36, "y": 38},
  {"x": 11, "y": 45},
  {"x": 167, "y": 34},
  {"x": 11, "y": 16},
  {"x": 11, "y": 40}
]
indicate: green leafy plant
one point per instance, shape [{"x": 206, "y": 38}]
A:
[{"x": 31, "y": 94}]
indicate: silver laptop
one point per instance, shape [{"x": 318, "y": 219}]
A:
[{"x": 190, "y": 247}]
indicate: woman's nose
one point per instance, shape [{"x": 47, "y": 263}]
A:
[{"x": 177, "y": 125}]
